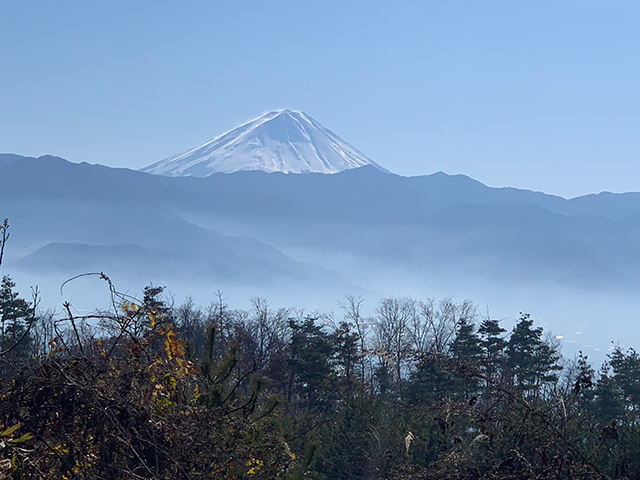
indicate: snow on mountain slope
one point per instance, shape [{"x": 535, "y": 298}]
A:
[{"x": 281, "y": 141}]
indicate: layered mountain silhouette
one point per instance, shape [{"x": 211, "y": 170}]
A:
[
  {"x": 240, "y": 227},
  {"x": 284, "y": 141},
  {"x": 361, "y": 229}
]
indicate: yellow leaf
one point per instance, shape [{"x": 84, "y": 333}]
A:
[
  {"x": 10, "y": 430},
  {"x": 23, "y": 438}
]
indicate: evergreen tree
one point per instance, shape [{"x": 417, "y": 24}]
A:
[
  {"x": 431, "y": 381},
  {"x": 311, "y": 372},
  {"x": 347, "y": 357},
  {"x": 16, "y": 317},
  {"x": 466, "y": 344},
  {"x": 493, "y": 345},
  {"x": 531, "y": 362},
  {"x": 584, "y": 379},
  {"x": 466, "y": 350},
  {"x": 626, "y": 374}
]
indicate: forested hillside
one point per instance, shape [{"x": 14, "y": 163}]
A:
[{"x": 421, "y": 390}]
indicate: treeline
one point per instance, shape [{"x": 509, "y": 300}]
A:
[{"x": 419, "y": 390}]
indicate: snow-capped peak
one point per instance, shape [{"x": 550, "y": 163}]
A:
[{"x": 285, "y": 141}]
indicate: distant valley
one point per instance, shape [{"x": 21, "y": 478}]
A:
[{"x": 311, "y": 238}]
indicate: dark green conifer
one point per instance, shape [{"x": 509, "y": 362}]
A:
[
  {"x": 531, "y": 362},
  {"x": 16, "y": 316}
]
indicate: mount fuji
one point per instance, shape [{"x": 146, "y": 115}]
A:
[{"x": 284, "y": 141}]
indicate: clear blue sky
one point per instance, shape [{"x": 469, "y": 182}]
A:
[{"x": 535, "y": 94}]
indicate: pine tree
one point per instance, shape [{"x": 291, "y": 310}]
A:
[
  {"x": 310, "y": 363},
  {"x": 466, "y": 350},
  {"x": 466, "y": 344},
  {"x": 16, "y": 316},
  {"x": 431, "y": 381},
  {"x": 584, "y": 383},
  {"x": 493, "y": 345},
  {"x": 348, "y": 356},
  {"x": 626, "y": 370},
  {"x": 531, "y": 362}
]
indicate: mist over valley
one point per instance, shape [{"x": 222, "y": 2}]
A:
[{"x": 308, "y": 239}]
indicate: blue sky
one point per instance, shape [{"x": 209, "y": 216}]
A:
[{"x": 534, "y": 94}]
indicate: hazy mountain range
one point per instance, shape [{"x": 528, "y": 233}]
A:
[{"x": 316, "y": 236}]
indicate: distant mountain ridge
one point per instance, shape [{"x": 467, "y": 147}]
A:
[
  {"x": 285, "y": 141},
  {"x": 359, "y": 230},
  {"x": 352, "y": 193}
]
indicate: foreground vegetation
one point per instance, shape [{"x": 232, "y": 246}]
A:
[{"x": 421, "y": 390}]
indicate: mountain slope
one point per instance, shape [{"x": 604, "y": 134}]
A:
[
  {"x": 281, "y": 141},
  {"x": 251, "y": 233},
  {"x": 362, "y": 194},
  {"x": 74, "y": 218},
  {"x": 418, "y": 223}
]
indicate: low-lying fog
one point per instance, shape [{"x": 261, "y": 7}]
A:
[{"x": 590, "y": 321}]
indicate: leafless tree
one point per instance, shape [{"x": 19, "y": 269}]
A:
[
  {"x": 352, "y": 310},
  {"x": 43, "y": 332},
  {"x": 434, "y": 326},
  {"x": 4, "y": 236},
  {"x": 392, "y": 336},
  {"x": 268, "y": 328}
]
